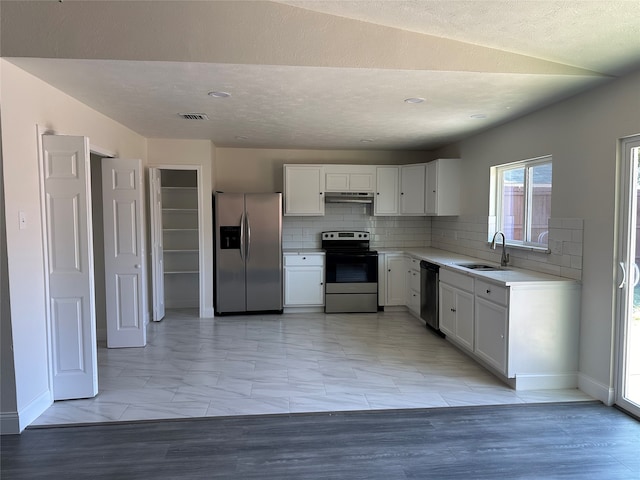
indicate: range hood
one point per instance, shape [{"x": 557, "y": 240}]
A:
[{"x": 348, "y": 197}]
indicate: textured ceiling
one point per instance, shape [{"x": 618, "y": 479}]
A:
[{"x": 321, "y": 74}]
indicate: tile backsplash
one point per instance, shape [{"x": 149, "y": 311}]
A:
[
  {"x": 467, "y": 235},
  {"x": 385, "y": 232}
]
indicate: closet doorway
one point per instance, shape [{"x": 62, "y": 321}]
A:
[{"x": 176, "y": 239}]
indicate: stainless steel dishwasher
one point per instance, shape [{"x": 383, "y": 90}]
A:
[{"x": 429, "y": 273}]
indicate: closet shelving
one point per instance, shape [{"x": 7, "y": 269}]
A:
[{"x": 180, "y": 237}]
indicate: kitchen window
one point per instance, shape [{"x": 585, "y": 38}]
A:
[{"x": 523, "y": 201}]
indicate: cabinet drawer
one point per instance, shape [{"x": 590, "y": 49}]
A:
[
  {"x": 312, "y": 259},
  {"x": 493, "y": 292},
  {"x": 459, "y": 280},
  {"x": 414, "y": 263}
]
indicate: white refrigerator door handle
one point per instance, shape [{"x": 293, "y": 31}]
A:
[
  {"x": 624, "y": 275},
  {"x": 636, "y": 274}
]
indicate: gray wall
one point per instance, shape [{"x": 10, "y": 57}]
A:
[
  {"x": 582, "y": 134},
  {"x": 8, "y": 404}
]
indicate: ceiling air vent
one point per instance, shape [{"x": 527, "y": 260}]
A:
[{"x": 194, "y": 116}]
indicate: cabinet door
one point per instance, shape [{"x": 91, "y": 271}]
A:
[
  {"x": 350, "y": 178},
  {"x": 303, "y": 286},
  {"x": 396, "y": 278},
  {"x": 387, "y": 191},
  {"x": 362, "y": 182},
  {"x": 412, "y": 188},
  {"x": 431, "y": 206},
  {"x": 337, "y": 182},
  {"x": 464, "y": 319},
  {"x": 447, "y": 310},
  {"x": 443, "y": 187},
  {"x": 491, "y": 333},
  {"x": 303, "y": 190}
]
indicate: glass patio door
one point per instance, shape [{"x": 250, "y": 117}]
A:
[{"x": 628, "y": 321}]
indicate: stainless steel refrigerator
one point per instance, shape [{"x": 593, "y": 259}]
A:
[{"x": 248, "y": 230}]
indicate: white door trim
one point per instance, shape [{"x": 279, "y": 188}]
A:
[
  {"x": 626, "y": 188},
  {"x": 202, "y": 198},
  {"x": 156, "y": 265},
  {"x": 40, "y": 131}
]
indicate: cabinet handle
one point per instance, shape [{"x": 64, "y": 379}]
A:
[
  {"x": 401, "y": 193},
  {"x": 377, "y": 193},
  {"x": 453, "y": 310},
  {"x": 502, "y": 337},
  {"x": 321, "y": 283},
  {"x": 304, "y": 258},
  {"x": 488, "y": 291},
  {"x": 320, "y": 193},
  {"x": 389, "y": 269}
]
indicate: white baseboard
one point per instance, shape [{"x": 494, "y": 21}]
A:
[
  {"x": 303, "y": 309},
  {"x": 395, "y": 308},
  {"x": 553, "y": 381},
  {"x": 9, "y": 423},
  {"x": 597, "y": 390},
  {"x": 208, "y": 312}
]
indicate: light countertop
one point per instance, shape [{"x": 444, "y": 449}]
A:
[{"x": 509, "y": 276}]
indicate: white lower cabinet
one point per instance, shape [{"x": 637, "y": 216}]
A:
[
  {"x": 303, "y": 280},
  {"x": 395, "y": 274},
  {"x": 526, "y": 333},
  {"x": 413, "y": 285},
  {"x": 491, "y": 333},
  {"x": 456, "y": 308}
]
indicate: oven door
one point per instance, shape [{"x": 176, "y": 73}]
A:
[{"x": 353, "y": 272}]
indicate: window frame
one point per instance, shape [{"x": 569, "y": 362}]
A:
[{"x": 498, "y": 198}]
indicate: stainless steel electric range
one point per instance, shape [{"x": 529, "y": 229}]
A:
[{"x": 351, "y": 274}]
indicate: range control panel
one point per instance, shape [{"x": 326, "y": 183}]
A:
[{"x": 345, "y": 235}]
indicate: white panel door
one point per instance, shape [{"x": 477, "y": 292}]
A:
[
  {"x": 69, "y": 243},
  {"x": 124, "y": 254},
  {"x": 157, "y": 244}
]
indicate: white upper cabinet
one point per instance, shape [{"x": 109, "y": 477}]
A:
[
  {"x": 386, "y": 201},
  {"x": 443, "y": 187},
  {"x": 350, "y": 178},
  {"x": 419, "y": 189},
  {"x": 303, "y": 190},
  {"x": 412, "y": 189}
]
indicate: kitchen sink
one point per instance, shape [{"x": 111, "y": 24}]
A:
[{"x": 478, "y": 266}]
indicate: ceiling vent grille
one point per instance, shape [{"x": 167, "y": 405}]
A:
[{"x": 194, "y": 116}]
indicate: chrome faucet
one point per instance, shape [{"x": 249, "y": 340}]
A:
[{"x": 504, "y": 261}]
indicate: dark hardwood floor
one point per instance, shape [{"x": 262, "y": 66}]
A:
[{"x": 540, "y": 441}]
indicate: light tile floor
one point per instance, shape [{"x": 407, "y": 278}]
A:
[{"x": 266, "y": 364}]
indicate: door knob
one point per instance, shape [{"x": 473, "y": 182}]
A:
[{"x": 136, "y": 266}]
